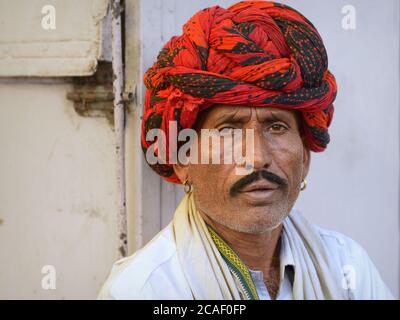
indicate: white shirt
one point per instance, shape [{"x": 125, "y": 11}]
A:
[
  {"x": 153, "y": 271},
  {"x": 287, "y": 269}
]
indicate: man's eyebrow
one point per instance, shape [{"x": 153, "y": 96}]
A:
[
  {"x": 277, "y": 115},
  {"x": 230, "y": 117},
  {"x": 233, "y": 117}
]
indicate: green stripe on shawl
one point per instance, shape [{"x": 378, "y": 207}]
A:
[{"x": 236, "y": 266}]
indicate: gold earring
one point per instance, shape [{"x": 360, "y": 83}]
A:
[
  {"x": 187, "y": 187},
  {"x": 303, "y": 184}
]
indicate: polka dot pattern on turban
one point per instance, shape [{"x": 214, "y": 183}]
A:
[{"x": 255, "y": 53}]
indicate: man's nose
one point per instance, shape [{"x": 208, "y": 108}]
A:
[{"x": 262, "y": 151}]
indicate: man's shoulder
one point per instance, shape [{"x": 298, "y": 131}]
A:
[
  {"x": 354, "y": 263},
  {"x": 337, "y": 241},
  {"x": 342, "y": 248},
  {"x": 132, "y": 277}
]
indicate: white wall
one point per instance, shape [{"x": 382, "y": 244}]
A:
[
  {"x": 354, "y": 185},
  {"x": 57, "y": 169},
  {"x": 57, "y": 194}
]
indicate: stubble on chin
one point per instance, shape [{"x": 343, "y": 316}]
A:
[{"x": 256, "y": 227}]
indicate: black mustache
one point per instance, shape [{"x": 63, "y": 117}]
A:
[{"x": 255, "y": 176}]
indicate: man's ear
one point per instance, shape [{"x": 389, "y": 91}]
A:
[
  {"x": 306, "y": 161},
  {"x": 181, "y": 170}
]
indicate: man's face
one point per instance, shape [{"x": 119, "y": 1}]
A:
[{"x": 258, "y": 201}]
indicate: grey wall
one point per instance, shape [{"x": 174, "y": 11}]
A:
[{"x": 354, "y": 185}]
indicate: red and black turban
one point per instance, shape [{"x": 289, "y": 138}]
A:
[{"x": 255, "y": 53}]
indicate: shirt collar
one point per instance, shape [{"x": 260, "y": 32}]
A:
[
  {"x": 286, "y": 260},
  {"x": 286, "y": 255}
]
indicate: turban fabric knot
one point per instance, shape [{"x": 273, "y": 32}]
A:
[{"x": 255, "y": 53}]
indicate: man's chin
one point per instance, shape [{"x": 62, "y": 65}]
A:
[{"x": 256, "y": 226}]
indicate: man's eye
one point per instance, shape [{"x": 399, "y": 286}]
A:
[
  {"x": 277, "y": 128},
  {"x": 226, "y": 131}
]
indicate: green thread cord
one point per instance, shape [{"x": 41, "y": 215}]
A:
[{"x": 236, "y": 266}]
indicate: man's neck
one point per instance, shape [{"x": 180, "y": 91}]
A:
[{"x": 258, "y": 251}]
